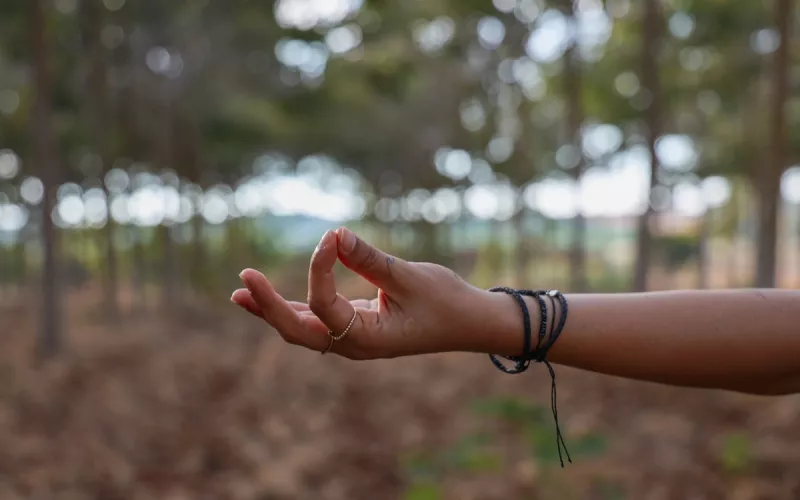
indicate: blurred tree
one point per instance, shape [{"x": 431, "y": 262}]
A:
[
  {"x": 206, "y": 96},
  {"x": 573, "y": 88},
  {"x": 44, "y": 145},
  {"x": 97, "y": 101},
  {"x": 769, "y": 177},
  {"x": 652, "y": 37}
]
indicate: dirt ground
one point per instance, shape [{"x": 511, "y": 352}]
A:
[{"x": 212, "y": 405}]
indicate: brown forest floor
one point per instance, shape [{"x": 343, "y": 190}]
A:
[{"x": 212, "y": 405}]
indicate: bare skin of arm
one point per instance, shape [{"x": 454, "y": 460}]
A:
[
  {"x": 743, "y": 340},
  {"x": 740, "y": 340}
]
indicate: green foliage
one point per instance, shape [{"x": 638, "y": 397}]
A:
[
  {"x": 676, "y": 251},
  {"x": 421, "y": 467},
  {"x": 12, "y": 264},
  {"x": 609, "y": 281},
  {"x": 510, "y": 409},
  {"x": 423, "y": 491},
  {"x": 530, "y": 420},
  {"x": 470, "y": 455},
  {"x": 542, "y": 443},
  {"x": 590, "y": 445},
  {"x": 544, "y": 446},
  {"x": 736, "y": 455}
]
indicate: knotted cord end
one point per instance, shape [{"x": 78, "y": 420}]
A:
[{"x": 539, "y": 353}]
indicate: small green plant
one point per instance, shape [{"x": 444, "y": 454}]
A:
[
  {"x": 470, "y": 454},
  {"x": 677, "y": 250},
  {"x": 510, "y": 409},
  {"x": 530, "y": 420},
  {"x": 425, "y": 470},
  {"x": 542, "y": 443},
  {"x": 590, "y": 445},
  {"x": 421, "y": 467},
  {"x": 736, "y": 454},
  {"x": 423, "y": 491}
]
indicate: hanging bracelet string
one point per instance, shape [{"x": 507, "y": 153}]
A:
[
  {"x": 555, "y": 331},
  {"x": 543, "y": 345}
]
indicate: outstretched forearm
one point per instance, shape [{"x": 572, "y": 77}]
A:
[
  {"x": 746, "y": 340},
  {"x": 743, "y": 340}
]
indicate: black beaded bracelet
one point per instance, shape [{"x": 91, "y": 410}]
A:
[
  {"x": 543, "y": 345},
  {"x": 522, "y": 362}
]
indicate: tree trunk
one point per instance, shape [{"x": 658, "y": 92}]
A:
[
  {"x": 97, "y": 100},
  {"x": 651, "y": 48},
  {"x": 139, "y": 274},
  {"x": 522, "y": 253},
  {"x": 199, "y": 255},
  {"x": 703, "y": 251},
  {"x": 426, "y": 246},
  {"x": 168, "y": 268},
  {"x": 796, "y": 247},
  {"x": 235, "y": 243},
  {"x": 197, "y": 168},
  {"x": 796, "y": 277},
  {"x": 137, "y": 144},
  {"x": 43, "y": 141},
  {"x": 743, "y": 261},
  {"x": 6, "y": 275},
  {"x": 572, "y": 91},
  {"x": 769, "y": 178},
  {"x": 443, "y": 244},
  {"x": 163, "y": 142},
  {"x": 20, "y": 264},
  {"x": 550, "y": 256},
  {"x": 733, "y": 245},
  {"x": 497, "y": 249}
]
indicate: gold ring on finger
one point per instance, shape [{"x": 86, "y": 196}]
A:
[
  {"x": 330, "y": 344},
  {"x": 346, "y": 330}
]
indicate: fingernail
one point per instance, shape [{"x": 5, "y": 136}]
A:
[
  {"x": 348, "y": 240},
  {"x": 323, "y": 242}
]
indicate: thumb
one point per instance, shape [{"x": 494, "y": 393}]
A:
[{"x": 382, "y": 270}]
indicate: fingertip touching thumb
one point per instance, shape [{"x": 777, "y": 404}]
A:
[
  {"x": 377, "y": 267},
  {"x": 347, "y": 240}
]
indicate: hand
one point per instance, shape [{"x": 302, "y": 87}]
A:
[{"x": 421, "y": 307}]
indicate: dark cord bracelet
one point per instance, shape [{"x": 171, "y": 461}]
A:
[
  {"x": 522, "y": 362},
  {"x": 543, "y": 345}
]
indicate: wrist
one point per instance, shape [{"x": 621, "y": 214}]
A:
[{"x": 499, "y": 326}]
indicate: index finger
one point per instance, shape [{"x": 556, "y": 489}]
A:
[
  {"x": 330, "y": 307},
  {"x": 280, "y": 314}
]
